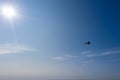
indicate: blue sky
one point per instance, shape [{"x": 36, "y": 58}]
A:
[{"x": 51, "y": 35}]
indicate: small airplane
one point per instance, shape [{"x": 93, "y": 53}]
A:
[{"x": 88, "y": 42}]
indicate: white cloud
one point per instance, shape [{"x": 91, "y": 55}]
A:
[
  {"x": 111, "y": 52},
  {"x": 85, "y": 52},
  {"x": 64, "y": 57},
  {"x": 104, "y": 53},
  {"x": 14, "y": 48},
  {"x": 71, "y": 56},
  {"x": 60, "y": 58}
]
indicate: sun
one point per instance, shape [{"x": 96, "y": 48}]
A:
[{"x": 8, "y": 11}]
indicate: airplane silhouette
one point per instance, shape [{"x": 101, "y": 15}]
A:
[{"x": 88, "y": 42}]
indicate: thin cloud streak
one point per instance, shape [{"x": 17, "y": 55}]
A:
[
  {"x": 86, "y": 54},
  {"x": 64, "y": 57},
  {"x": 59, "y": 58},
  {"x": 104, "y": 53},
  {"x": 14, "y": 48},
  {"x": 69, "y": 56}
]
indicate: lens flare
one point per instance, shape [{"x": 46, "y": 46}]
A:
[{"x": 8, "y": 11}]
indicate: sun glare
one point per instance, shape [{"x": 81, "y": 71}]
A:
[{"x": 8, "y": 11}]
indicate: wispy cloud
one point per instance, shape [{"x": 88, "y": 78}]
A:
[
  {"x": 86, "y": 54},
  {"x": 64, "y": 57},
  {"x": 111, "y": 52},
  {"x": 14, "y": 48},
  {"x": 59, "y": 58},
  {"x": 107, "y": 53},
  {"x": 69, "y": 56}
]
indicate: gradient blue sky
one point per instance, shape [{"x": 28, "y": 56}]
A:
[{"x": 51, "y": 36}]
